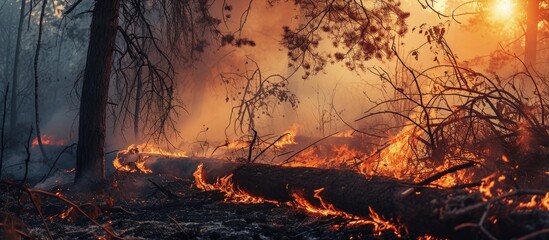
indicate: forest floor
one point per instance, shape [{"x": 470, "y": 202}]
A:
[{"x": 134, "y": 207}]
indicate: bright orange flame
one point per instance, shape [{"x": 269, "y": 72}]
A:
[
  {"x": 542, "y": 203},
  {"x": 200, "y": 179},
  {"x": 155, "y": 150},
  {"x": 49, "y": 140},
  {"x": 120, "y": 163},
  {"x": 289, "y": 137},
  {"x": 487, "y": 185},
  {"x": 341, "y": 156},
  {"x": 545, "y": 201},
  {"x": 532, "y": 204},
  {"x": 393, "y": 160}
]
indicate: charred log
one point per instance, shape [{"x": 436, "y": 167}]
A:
[{"x": 445, "y": 213}]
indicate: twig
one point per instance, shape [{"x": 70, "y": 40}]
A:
[
  {"x": 55, "y": 162},
  {"x": 30, "y": 191},
  {"x": 36, "y": 58},
  {"x": 165, "y": 191},
  {"x": 37, "y": 208},
  {"x": 487, "y": 206},
  {"x": 270, "y": 145},
  {"x": 250, "y": 149},
  {"x": 72, "y": 7},
  {"x": 445, "y": 172},
  {"x": 176, "y": 223},
  {"x": 534, "y": 234},
  {"x": 27, "y": 160}
]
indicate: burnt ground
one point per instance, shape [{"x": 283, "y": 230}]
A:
[{"x": 135, "y": 208}]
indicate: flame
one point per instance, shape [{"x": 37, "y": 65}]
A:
[
  {"x": 152, "y": 149},
  {"x": 532, "y": 204},
  {"x": 120, "y": 162},
  {"x": 49, "y": 140},
  {"x": 487, "y": 185},
  {"x": 341, "y": 156},
  {"x": 545, "y": 201},
  {"x": 288, "y": 137},
  {"x": 380, "y": 224},
  {"x": 225, "y": 185},
  {"x": 542, "y": 203},
  {"x": 393, "y": 160},
  {"x": 200, "y": 179},
  {"x": 132, "y": 167}
]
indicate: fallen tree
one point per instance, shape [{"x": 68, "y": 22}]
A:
[{"x": 446, "y": 213}]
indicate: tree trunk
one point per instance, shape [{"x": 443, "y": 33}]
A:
[
  {"x": 15, "y": 76},
  {"x": 90, "y": 159},
  {"x": 8, "y": 56},
  {"x": 137, "y": 105},
  {"x": 422, "y": 210},
  {"x": 532, "y": 20}
]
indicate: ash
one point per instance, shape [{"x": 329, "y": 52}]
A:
[{"x": 139, "y": 206}]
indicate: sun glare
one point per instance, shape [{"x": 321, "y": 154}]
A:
[{"x": 503, "y": 10}]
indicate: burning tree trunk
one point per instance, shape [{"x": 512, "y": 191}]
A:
[
  {"x": 354, "y": 193},
  {"x": 443, "y": 213},
  {"x": 90, "y": 164}
]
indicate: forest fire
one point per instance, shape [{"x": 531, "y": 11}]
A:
[{"x": 331, "y": 120}]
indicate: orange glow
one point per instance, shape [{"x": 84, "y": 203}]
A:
[
  {"x": 504, "y": 158},
  {"x": 49, "y": 140},
  {"x": 346, "y": 134}
]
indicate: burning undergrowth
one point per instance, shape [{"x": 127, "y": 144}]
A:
[{"x": 468, "y": 160}]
